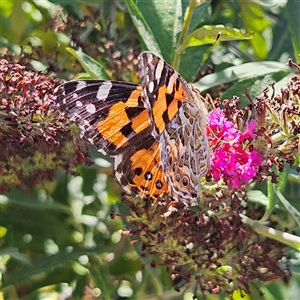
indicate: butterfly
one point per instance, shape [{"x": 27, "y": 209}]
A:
[{"x": 155, "y": 131}]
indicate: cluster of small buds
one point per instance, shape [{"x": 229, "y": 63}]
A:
[
  {"x": 212, "y": 251},
  {"x": 279, "y": 126},
  {"x": 33, "y": 138}
]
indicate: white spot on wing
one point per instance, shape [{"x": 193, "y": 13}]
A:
[
  {"x": 103, "y": 90},
  {"x": 91, "y": 108},
  {"x": 149, "y": 58},
  {"x": 91, "y": 140},
  {"x": 78, "y": 104},
  {"x": 172, "y": 82},
  {"x": 102, "y": 151},
  {"x": 81, "y": 84},
  {"x": 151, "y": 86},
  {"x": 119, "y": 160},
  {"x": 159, "y": 68}
]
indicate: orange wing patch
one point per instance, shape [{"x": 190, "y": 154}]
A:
[
  {"x": 164, "y": 91},
  {"x": 167, "y": 105},
  {"x": 124, "y": 120},
  {"x": 173, "y": 107},
  {"x": 141, "y": 174}
]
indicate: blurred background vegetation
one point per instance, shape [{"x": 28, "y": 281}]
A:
[{"x": 58, "y": 239}]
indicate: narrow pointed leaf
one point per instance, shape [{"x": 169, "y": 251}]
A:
[
  {"x": 208, "y": 34},
  {"x": 90, "y": 65},
  {"x": 143, "y": 27},
  {"x": 247, "y": 70}
]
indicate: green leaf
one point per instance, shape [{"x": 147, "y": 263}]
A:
[
  {"x": 293, "y": 19},
  {"x": 257, "y": 196},
  {"x": 14, "y": 252},
  {"x": 201, "y": 14},
  {"x": 91, "y": 66},
  {"x": 208, "y": 34},
  {"x": 165, "y": 21},
  {"x": 99, "y": 273},
  {"x": 247, "y": 70},
  {"x": 45, "y": 264},
  {"x": 196, "y": 56},
  {"x": 291, "y": 190},
  {"x": 289, "y": 207},
  {"x": 255, "y": 85},
  {"x": 273, "y": 201},
  {"x": 14, "y": 48},
  {"x": 23, "y": 212},
  {"x": 240, "y": 295},
  {"x": 255, "y": 20},
  {"x": 143, "y": 28},
  {"x": 280, "y": 289}
]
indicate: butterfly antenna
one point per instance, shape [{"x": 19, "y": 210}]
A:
[
  {"x": 208, "y": 101},
  {"x": 207, "y": 54}
]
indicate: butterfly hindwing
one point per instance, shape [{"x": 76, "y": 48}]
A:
[
  {"x": 139, "y": 170},
  {"x": 185, "y": 157}
]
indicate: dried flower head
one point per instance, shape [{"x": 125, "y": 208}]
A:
[
  {"x": 212, "y": 251},
  {"x": 33, "y": 136}
]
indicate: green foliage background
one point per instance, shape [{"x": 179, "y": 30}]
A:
[{"x": 59, "y": 239}]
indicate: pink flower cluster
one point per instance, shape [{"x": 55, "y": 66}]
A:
[{"x": 229, "y": 161}]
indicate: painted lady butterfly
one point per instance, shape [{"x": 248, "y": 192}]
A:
[{"x": 155, "y": 131}]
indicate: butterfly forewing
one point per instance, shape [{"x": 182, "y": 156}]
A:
[
  {"x": 110, "y": 114},
  {"x": 164, "y": 91}
]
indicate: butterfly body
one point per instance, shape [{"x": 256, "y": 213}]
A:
[{"x": 155, "y": 131}]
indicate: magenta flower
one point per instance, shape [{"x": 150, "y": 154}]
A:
[{"x": 229, "y": 160}]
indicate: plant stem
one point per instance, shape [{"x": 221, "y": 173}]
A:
[
  {"x": 283, "y": 237},
  {"x": 185, "y": 28}
]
